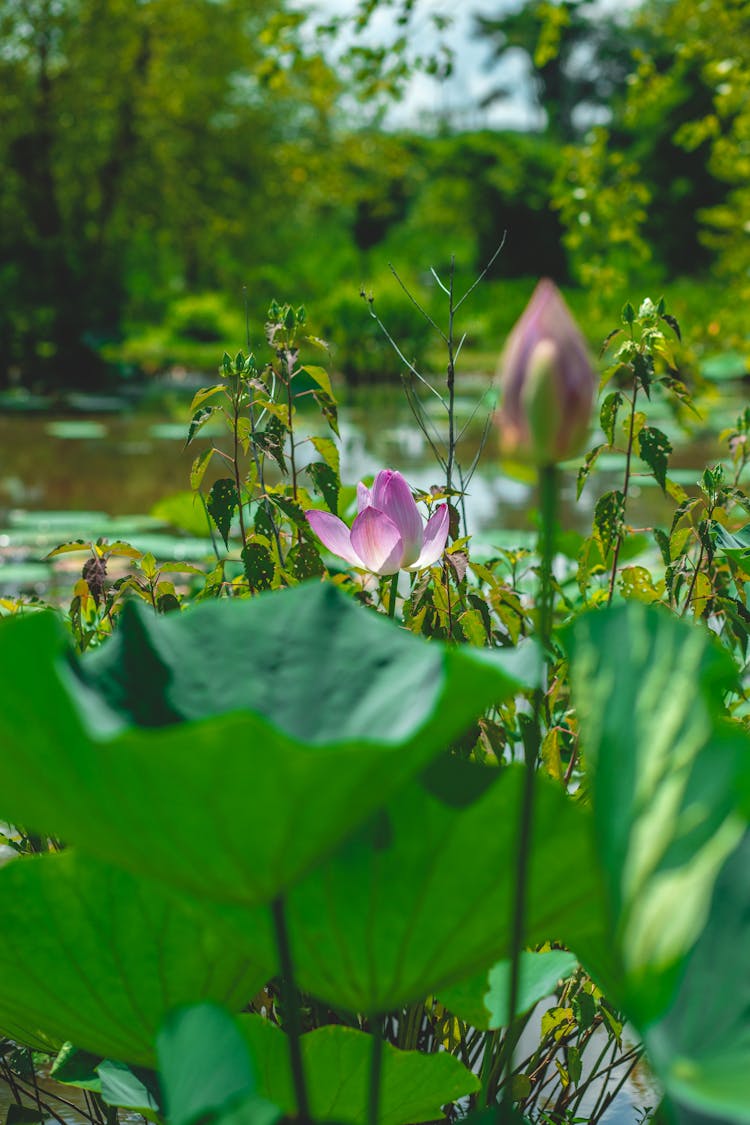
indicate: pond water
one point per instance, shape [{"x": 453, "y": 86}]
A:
[{"x": 66, "y": 476}]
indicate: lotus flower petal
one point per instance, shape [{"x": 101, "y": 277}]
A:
[
  {"x": 334, "y": 534},
  {"x": 377, "y": 541},
  {"x": 392, "y": 495},
  {"x": 435, "y": 538},
  {"x": 364, "y": 497}
]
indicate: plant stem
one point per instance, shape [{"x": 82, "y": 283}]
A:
[
  {"x": 625, "y": 486},
  {"x": 696, "y": 572},
  {"x": 547, "y": 506},
  {"x": 376, "y": 1070},
  {"x": 290, "y": 1000},
  {"x": 236, "y": 459},
  {"x": 451, "y": 380},
  {"x": 392, "y": 595}
]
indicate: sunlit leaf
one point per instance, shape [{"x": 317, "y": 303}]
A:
[
  {"x": 667, "y": 776},
  {"x": 307, "y": 712}
]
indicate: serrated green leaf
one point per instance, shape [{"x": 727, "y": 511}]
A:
[
  {"x": 585, "y": 469},
  {"x": 199, "y": 420},
  {"x": 328, "y": 450},
  {"x": 203, "y": 396},
  {"x": 609, "y": 517},
  {"x": 259, "y": 566},
  {"x": 326, "y": 483},
  {"x": 608, "y": 415},
  {"x": 654, "y": 448},
  {"x": 321, "y": 378},
  {"x": 304, "y": 561},
  {"x": 198, "y": 468},
  {"x": 223, "y": 501}
]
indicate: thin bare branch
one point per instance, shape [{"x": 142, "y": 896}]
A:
[
  {"x": 421, "y": 419},
  {"x": 440, "y": 283},
  {"x": 458, "y": 349},
  {"x": 480, "y": 450},
  {"x": 401, "y": 355},
  {"x": 483, "y": 274},
  {"x": 417, "y": 305}
]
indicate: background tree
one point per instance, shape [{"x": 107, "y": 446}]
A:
[
  {"x": 160, "y": 141},
  {"x": 579, "y": 58}
]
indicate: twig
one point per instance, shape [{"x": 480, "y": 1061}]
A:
[{"x": 484, "y": 272}]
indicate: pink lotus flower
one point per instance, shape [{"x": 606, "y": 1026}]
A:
[
  {"x": 388, "y": 535},
  {"x": 548, "y": 382}
]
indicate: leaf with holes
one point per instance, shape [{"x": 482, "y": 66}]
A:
[
  {"x": 272, "y": 440},
  {"x": 259, "y": 567},
  {"x": 609, "y": 518},
  {"x": 304, "y": 561},
  {"x": 326, "y": 483},
  {"x": 654, "y": 448},
  {"x": 608, "y": 415},
  {"x": 223, "y": 501}
]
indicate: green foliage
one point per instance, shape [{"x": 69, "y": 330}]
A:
[
  {"x": 414, "y": 1086},
  {"x": 93, "y": 955}
]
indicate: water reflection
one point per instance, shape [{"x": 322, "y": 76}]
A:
[{"x": 123, "y": 464}]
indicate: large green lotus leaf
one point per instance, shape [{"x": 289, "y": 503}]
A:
[
  {"x": 701, "y": 1048},
  {"x": 93, "y": 955},
  {"x": 234, "y": 806},
  {"x": 206, "y": 1071},
  {"x": 667, "y": 777},
  {"x": 483, "y": 1000},
  {"x": 309, "y": 660},
  {"x": 421, "y": 897},
  {"x": 336, "y": 1061}
]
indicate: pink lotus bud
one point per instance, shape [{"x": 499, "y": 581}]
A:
[{"x": 547, "y": 382}]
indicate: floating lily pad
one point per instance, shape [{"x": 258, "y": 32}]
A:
[
  {"x": 77, "y": 429},
  {"x": 724, "y": 367}
]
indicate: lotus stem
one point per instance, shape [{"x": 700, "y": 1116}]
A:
[
  {"x": 547, "y": 510},
  {"x": 376, "y": 1070},
  {"x": 392, "y": 595},
  {"x": 290, "y": 1001}
]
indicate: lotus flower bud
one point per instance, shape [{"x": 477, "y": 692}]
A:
[{"x": 547, "y": 382}]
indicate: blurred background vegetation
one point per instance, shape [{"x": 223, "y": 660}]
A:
[{"x": 162, "y": 157}]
